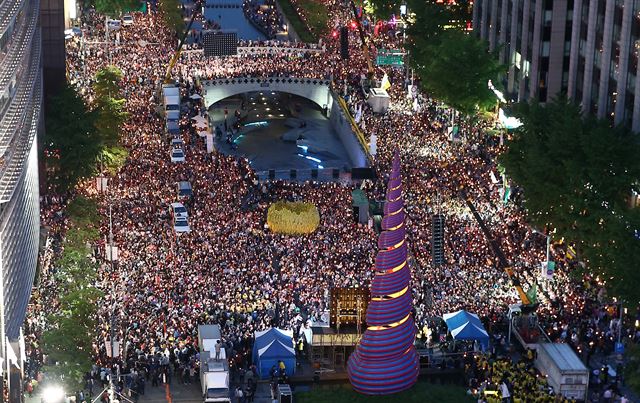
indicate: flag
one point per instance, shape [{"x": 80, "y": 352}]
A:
[
  {"x": 507, "y": 194},
  {"x": 548, "y": 268},
  {"x": 385, "y": 84},
  {"x": 358, "y": 113},
  {"x": 532, "y": 293}
]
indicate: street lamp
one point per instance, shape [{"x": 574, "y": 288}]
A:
[{"x": 548, "y": 236}]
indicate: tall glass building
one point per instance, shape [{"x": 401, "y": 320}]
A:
[
  {"x": 20, "y": 113},
  {"x": 586, "y": 49}
]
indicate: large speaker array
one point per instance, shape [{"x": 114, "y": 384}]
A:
[
  {"x": 437, "y": 239},
  {"x": 218, "y": 43},
  {"x": 344, "y": 43}
]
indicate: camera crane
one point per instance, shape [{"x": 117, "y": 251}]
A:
[
  {"x": 197, "y": 5},
  {"x": 527, "y": 305},
  {"x": 527, "y": 330}
]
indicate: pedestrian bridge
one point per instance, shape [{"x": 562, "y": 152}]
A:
[{"x": 314, "y": 89}]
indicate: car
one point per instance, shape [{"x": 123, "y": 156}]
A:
[
  {"x": 181, "y": 225},
  {"x": 127, "y": 19},
  {"x": 177, "y": 155},
  {"x": 179, "y": 210},
  {"x": 114, "y": 25},
  {"x": 184, "y": 189},
  {"x": 176, "y": 142},
  {"x": 172, "y": 127}
]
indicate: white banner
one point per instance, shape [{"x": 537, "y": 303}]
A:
[
  {"x": 111, "y": 253},
  {"x": 209, "y": 142},
  {"x": 116, "y": 347}
]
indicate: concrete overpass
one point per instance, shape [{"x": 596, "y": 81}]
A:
[{"x": 314, "y": 89}]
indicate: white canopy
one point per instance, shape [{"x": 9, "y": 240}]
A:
[
  {"x": 288, "y": 333},
  {"x": 217, "y": 380},
  {"x": 268, "y": 346}
]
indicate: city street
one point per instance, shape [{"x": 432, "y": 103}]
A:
[{"x": 398, "y": 243}]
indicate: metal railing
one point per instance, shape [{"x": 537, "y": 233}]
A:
[
  {"x": 8, "y": 11},
  {"x": 20, "y": 45},
  {"x": 24, "y": 133},
  {"x": 354, "y": 126},
  {"x": 267, "y": 80},
  {"x": 259, "y": 50},
  {"x": 320, "y": 175}
]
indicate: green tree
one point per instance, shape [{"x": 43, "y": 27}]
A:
[
  {"x": 382, "y": 9},
  {"x": 445, "y": 71},
  {"x": 109, "y": 105},
  {"x": 107, "y": 83},
  {"x": 72, "y": 143},
  {"x": 76, "y": 268},
  {"x": 78, "y": 237},
  {"x": 83, "y": 211},
  {"x": 111, "y": 116},
  {"x": 69, "y": 347},
  {"x": 172, "y": 15},
  {"x": 577, "y": 175},
  {"x": 68, "y": 341},
  {"x": 114, "y": 158},
  {"x": 632, "y": 368},
  {"x": 426, "y": 23},
  {"x": 114, "y": 8},
  {"x": 614, "y": 254}
]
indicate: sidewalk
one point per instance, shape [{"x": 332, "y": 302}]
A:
[
  {"x": 598, "y": 362},
  {"x": 191, "y": 393}
]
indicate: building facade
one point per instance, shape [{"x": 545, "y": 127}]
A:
[
  {"x": 586, "y": 49},
  {"x": 20, "y": 122}
]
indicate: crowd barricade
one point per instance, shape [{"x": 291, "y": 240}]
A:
[
  {"x": 266, "y": 80},
  {"x": 354, "y": 126},
  {"x": 224, "y": 4},
  {"x": 432, "y": 358},
  {"x": 257, "y": 50},
  {"x": 303, "y": 175}
]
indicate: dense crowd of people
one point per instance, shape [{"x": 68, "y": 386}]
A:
[
  {"x": 233, "y": 271},
  {"x": 265, "y": 16}
]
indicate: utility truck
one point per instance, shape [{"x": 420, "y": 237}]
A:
[{"x": 214, "y": 371}]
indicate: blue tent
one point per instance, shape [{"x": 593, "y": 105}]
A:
[
  {"x": 267, "y": 336},
  {"x": 271, "y": 346},
  {"x": 466, "y": 326}
]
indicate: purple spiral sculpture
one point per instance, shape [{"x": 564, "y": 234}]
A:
[{"x": 385, "y": 360}]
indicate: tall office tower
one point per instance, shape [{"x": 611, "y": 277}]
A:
[
  {"x": 20, "y": 114},
  {"x": 587, "y": 49}
]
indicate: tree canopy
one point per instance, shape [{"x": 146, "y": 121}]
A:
[
  {"x": 111, "y": 116},
  {"x": 113, "y": 8},
  {"x": 577, "y": 175},
  {"x": 382, "y": 9},
  {"x": 110, "y": 106},
  {"x": 107, "y": 83},
  {"x": 71, "y": 142},
  {"x": 172, "y": 15},
  {"x": 457, "y": 71},
  {"x": 453, "y": 66},
  {"x": 68, "y": 338}
]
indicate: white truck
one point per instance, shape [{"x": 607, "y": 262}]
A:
[
  {"x": 565, "y": 372},
  {"x": 214, "y": 374},
  {"x": 170, "y": 97}
]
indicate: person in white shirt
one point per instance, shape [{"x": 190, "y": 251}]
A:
[{"x": 506, "y": 394}]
